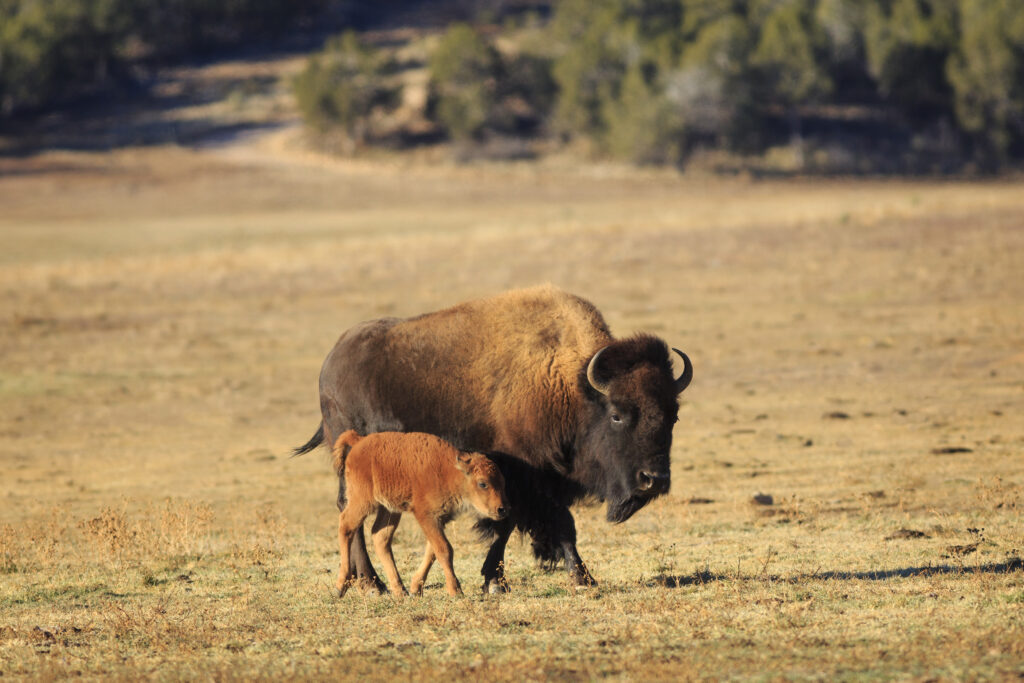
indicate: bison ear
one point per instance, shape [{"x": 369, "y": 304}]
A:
[{"x": 462, "y": 461}]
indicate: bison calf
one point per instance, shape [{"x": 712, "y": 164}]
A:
[{"x": 392, "y": 473}]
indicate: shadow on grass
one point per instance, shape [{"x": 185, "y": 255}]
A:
[{"x": 702, "y": 577}]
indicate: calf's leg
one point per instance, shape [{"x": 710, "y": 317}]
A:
[
  {"x": 434, "y": 532},
  {"x": 421, "y": 574},
  {"x": 383, "y": 533}
]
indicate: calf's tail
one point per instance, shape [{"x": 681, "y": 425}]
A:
[
  {"x": 315, "y": 441},
  {"x": 342, "y": 446}
]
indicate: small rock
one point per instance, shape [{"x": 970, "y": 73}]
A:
[
  {"x": 762, "y": 499},
  {"x": 907, "y": 533},
  {"x": 960, "y": 550}
]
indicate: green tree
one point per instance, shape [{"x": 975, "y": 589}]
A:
[
  {"x": 987, "y": 75},
  {"x": 641, "y": 125},
  {"x": 464, "y": 75},
  {"x": 711, "y": 87},
  {"x": 789, "y": 60},
  {"x": 598, "y": 45},
  {"x": 342, "y": 86},
  {"x": 697, "y": 14},
  {"x": 54, "y": 50},
  {"x": 842, "y": 23},
  {"x": 590, "y": 62},
  {"x": 908, "y": 43}
]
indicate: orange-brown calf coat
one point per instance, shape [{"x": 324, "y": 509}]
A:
[{"x": 392, "y": 473}]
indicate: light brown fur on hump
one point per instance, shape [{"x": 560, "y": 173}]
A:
[{"x": 539, "y": 338}]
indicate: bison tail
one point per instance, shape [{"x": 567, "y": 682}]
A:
[
  {"x": 342, "y": 446},
  {"x": 317, "y": 439}
]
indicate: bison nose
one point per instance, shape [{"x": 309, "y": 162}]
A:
[
  {"x": 502, "y": 511},
  {"x": 653, "y": 482}
]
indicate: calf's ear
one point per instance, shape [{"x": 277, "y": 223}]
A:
[{"x": 462, "y": 461}]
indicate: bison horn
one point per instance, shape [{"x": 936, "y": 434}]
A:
[
  {"x": 601, "y": 387},
  {"x": 684, "y": 379}
]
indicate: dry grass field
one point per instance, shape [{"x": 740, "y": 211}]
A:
[{"x": 859, "y": 355}]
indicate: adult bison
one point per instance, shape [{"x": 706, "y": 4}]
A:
[{"x": 532, "y": 374}]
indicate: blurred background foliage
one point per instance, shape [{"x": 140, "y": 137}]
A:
[
  {"x": 826, "y": 85},
  {"x": 52, "y": 51}
]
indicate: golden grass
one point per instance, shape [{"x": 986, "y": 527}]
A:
[{"x": 858, "y": 354}]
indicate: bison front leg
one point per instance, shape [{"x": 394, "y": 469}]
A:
[
  {"x": 565, "y": 537},
  {"x": 349, "y": 520},
  {"x": 494, "y": 564}
]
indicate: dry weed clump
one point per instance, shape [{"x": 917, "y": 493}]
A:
[
  {"x": 151, "y": 624},
  {"x": 36, "y": 544},
  {"x": 163, "y": 530},
  {"x": 111, "y": 534},
  {"x": 9, "y": 550},
  {"x": 264, "y": 545},
  {"x": 184, "y": 527}
]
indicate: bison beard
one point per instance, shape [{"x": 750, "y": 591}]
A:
[{"x": 532, "y": 376}]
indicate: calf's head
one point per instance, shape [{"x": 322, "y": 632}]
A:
[
  {"x": 630, "y": 405},
  {"x": 484, "y": 487}
]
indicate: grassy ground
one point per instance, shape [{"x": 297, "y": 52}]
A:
[{"x": 859, "y": 355}]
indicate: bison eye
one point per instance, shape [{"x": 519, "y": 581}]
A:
[
  {"x": 616, "y": 418},
  {"x": 482, "y": 484}
]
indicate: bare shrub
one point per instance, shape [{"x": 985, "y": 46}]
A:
[
  {"x": 264, "y": 547},
  {"x": 110, "y": 533},
  {"x": 184, "y": 526}
]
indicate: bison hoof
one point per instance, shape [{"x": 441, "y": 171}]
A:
[
  {"x": 583, "y": 581},
  {"x": 369, "y": 586},
  {"x": 496, "y": 587}
]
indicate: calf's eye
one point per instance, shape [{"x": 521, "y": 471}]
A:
[{"x": 483, "y": 484}]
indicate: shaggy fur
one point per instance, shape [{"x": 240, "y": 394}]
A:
[
  {"x": 508, "y": 374},
  {"x": 392, "y": 473}
]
